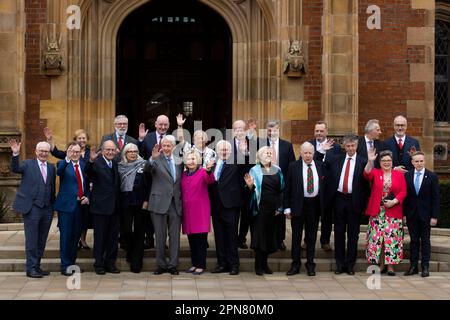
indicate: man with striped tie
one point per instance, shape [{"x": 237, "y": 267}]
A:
[{"x": 304, "y": 203}]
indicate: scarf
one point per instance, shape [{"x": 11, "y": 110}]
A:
[{"x": 127, "y": 171}]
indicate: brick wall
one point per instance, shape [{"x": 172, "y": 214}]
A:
[
  {"x": 37, "y": 87},
  {"x": 384, "y": 59},
  {"x": 312, "y": 17}
]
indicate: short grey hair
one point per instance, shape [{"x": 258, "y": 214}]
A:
[
  {"x": 400, "y": 116},
  {"x": 350, "y": 138},
  {"x": 202, "y": 134},
  {"x": 370, "y": 125},
  {"x": 386, "y": 153},
  {"x": 104, "y": 142},
  {"x": 125, "y": 149},
  {"x": 272, "y": 123},
  {"x": 169, "y": 138},
  {"x": 227, "y": 144},
  {"x": 261, "y": 152},
  {"x": 43, "y": 143},
  {"x": 120, "y": 116},
  {"x": 306, "y": 145}
]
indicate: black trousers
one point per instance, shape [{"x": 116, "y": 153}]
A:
[
  {"x": 280, "y": 221},
  {"x": 106, "y": 239},
  {"x": 260, "y": 260},
  {"x": 326, "y": 225},
  {"x": 198, "y": 245},
  {"x": 133, "y": 233},
  {"x": 419, "y": 232},
  {"x": 310, "y": 221},
  {"x": 225, "y": 223},
  {"x": 149, "y": 230},
  {"x": 244, "y": 221},
  {"x": 345, "y": 220}
]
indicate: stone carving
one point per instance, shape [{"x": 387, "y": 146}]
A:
[
  {"x": 52, "y": 59},
  {"x": 5, "y": 152},
  {"x": 294, "y": 62}
]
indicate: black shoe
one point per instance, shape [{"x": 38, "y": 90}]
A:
[
  {"x": 267, "y": 270},
  {"x": 34, "y": 274},
  {"x": 220, "y": 269},
  {"x": 234, "y": 271},
  {"x": 67, "y": 274},
  {"x": 391, "y": 273},
  {"x": 350, "y": 271},
  {"x": 425, "y": 272},
  {"x": 259, "y": 272},
  {"x": 413, "y": 269},
  {"x": 340, "y": 270},
  {"x": 159, "y": 271},
  {"x": 242, "y": 245},
  {"x": 149, "y": 244},
  {"x": 310, "y": 270},
  {"x": 384, "y": 270},
  {"x": 43, "y": 272},
  {"x": 84, "y": 247},
  {"x": 112, "y": 269},
  {"x": 282, "y": 246},
  {"x": 100, "y": 271},
  {"x": 173, "y": 271},
  {"x": 293, "y": 270}
]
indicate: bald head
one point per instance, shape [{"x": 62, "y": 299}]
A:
[
  {"x": 400, "y": 126},
  {"x": 239, "y": 129},
  {"x": 109, "y": 149},
  {"x": 307, "y": 152},
  {"x": 162, "y": 124}
]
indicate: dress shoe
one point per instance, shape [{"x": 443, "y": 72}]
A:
[
  {"x": 310, "y": 270},
  {"x": 173, "y": 271},
  {"x": 351, "y": 272},
  {"x": 259, "y": 272},
  {"x": 234, "y": 271},
  {"x": 425, "y": 272},
  {"x": 82, "y": 246},
  {"x": 242, "y": 245},
  {"x": 34, "y": 274},
  {"x": 293, "y": 270},
  {"x": 412, "y": 270},
  {"x": 100, "y": 271},
  {"x": 65, "y": 273},
  {"x": 326, "y": 247},
  {"x": 282, "y": 246},
  {"x": 43, "y": 272},
  {"x": 384, "y": 270},
  {"x": 220, "y": 269},
  {"x": 198, "y": 271},
  {"x": 112, "y": 269},
  {"x": 159, "y": 271},
  {"x": 267, "y": 270},
  {"x": 391, "y": 273},
  {"x": 190, "y": 270},
  {"x": 340, "y": 270}
]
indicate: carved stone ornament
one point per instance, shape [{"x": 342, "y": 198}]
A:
[
  {"x": 5, "y": 152},
  {"x": 52, "y": 58},
  {"x": 294, "y": 62}
]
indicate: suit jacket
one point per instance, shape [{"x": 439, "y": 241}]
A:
[
  {"x": 426, "y": 203},
  {"x": 335, "y": 150},
  {"x": 294, "y": 193},
  {"x": 147, "y": 145},
  {"x": 31, "y": 176},
  {"x": 391, "y": 144},
  {"x": 106, "y": 186},
  {"x": 362, "y": 149},
  {"x": 229, "y": 190},
  {"x": 66, "y": 201},
  {"x": 163, "y": 187},
  {"x": 398, "y": 188},
  {"x": 286, "y": 153},
  {"x": 113, "y": 137},
  {"x": 335, "y": 165}
]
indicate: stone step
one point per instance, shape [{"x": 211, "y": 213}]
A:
[{"x": 246, "y": 264}]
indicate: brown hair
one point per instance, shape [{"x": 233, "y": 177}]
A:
[{"x": 78, "y": 132}]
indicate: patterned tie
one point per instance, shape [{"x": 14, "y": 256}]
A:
[
  {"x": 371, "y": 145},
  {"x": 310, "y": 179},
  {"x": 346, "y": 174},
  {"x": 110, "y": 164},
  {"x": 219, "y": 171},
  {"x": 80, "y": 184},
  {"x": 120, "y": 143},
  {"x": 172, "y": 168},
  {"x": 44, "y": 172},
  {"x": 417, "y": 182},
  {"x": 159, "y": 144},
  {"x": 400, "y": 144}
]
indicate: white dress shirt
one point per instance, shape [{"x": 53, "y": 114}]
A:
[
  {"x": 398, "y": 138},
  {"x": 350, "y": 174},
  {"x": 305, "y": 180},
  {"x": 368, "y": 146}
]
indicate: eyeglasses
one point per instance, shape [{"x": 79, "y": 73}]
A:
[
  {"x": 43, "y": 151},
  {"x": 132, "y": 151}
]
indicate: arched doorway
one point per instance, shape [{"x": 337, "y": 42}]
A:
[{"x": 174, "y": 57}]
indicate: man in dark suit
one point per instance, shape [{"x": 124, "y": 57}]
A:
[
  {"x": 120, "y": 137},
  {"x": 226, "y": 201},
  {"x": 320, "y": 144},
  {"x": 282, "y": 155},
  {"x": 165, "y": 203},
  {"x": 345, "y": 193},
  {"x": 103, "y": 173},
  {"x": 401, "y": 145},
  {"x": 370, "y": 140},
  {"x": 421, "y": 211},
  {"x": 34, "y": 200},
  {"x": 73, "y": 194},
  {"x": 304, "y": 203}
]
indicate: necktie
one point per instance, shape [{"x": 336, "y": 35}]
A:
[
  {"x": 159, "y": 144},
  {"x": 110, "y": 164},
  {"x": 172, "y": 168},
  {"x": 371, "y": 145},
  {"x": 417, "y": 182},
  {"x": 274, "y": 153},
  {"x": 44, "y": 172},
  {"x": 120, "y": 143},
  {"x": 219, "y": 171},
  {"x": 80, "y": 184},
  {"x": 400, "y": 144},
  {"x": 310, "y": 180},
  {"x": 346, "y": 174}
]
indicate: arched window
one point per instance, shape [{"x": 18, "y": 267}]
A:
[{"x": 441, "y": 72}]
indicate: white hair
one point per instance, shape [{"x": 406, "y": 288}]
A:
[
  {"x": 227, "y": 144},
  {"x": 306, "y": 145},
  {"x": 127, "y": 147},
  {"x": 41, "y": 144},
  {"x": 261, "y": 152},
  {"x": 400, "y": 117},
  {"x": 120, "y": 116},
  {"x": 169, "y": 138}
]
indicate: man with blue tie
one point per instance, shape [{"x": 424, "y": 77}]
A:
[
  {"x": 165, "y": 203},
  {"x": 34, "y": 200},
  {"x": 421, "y": 211},
  {"x": 72, "y": 195}
]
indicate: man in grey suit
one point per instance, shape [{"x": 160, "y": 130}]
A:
[
  {"x": 165, "y": 203},
  {"x": 34, "y": 200}
]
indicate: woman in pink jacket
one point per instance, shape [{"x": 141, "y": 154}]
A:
[
  {"x": 196, "y": 207},
  {"x": 385, "y": 229}
]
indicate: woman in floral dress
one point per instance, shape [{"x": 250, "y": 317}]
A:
[{"x": 385, "y": 229}]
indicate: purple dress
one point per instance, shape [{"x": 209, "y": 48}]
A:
[{"x": 195, "y": 198}]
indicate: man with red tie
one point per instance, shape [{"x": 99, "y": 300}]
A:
[
  {"x": 401, "y": 145},
  {"x": 346, "y": 194},
  {"x": 73, "y": 193},
  {"x": 120, "y": 137}
]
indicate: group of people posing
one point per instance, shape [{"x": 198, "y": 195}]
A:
[{"x": 143, "y": 192}]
